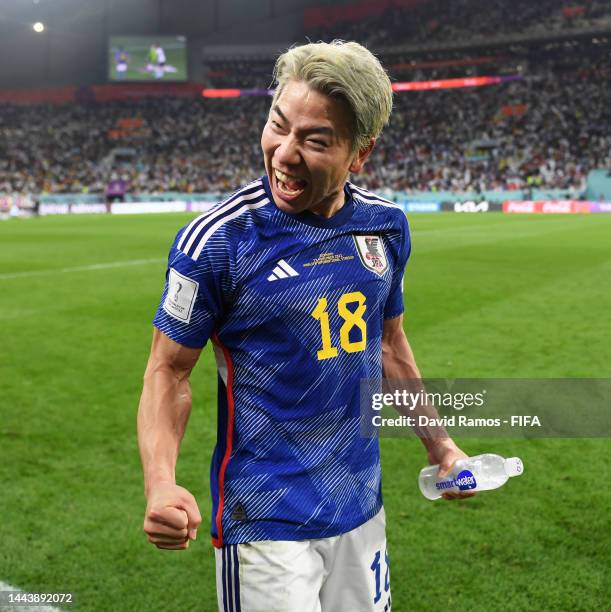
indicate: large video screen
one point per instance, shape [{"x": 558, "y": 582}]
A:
[{"x": 147, "y": 58}]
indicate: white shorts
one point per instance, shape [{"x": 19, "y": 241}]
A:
[{"x": 345, "y": 573}]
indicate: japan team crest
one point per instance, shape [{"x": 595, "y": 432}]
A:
[{"x": 371, "y": 252}]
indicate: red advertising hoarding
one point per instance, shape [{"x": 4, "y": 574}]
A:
[{"x": 558, "y": 207}]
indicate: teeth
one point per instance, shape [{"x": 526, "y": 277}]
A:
[{"x": 285, "y": 177}]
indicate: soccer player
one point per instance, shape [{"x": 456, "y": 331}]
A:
[
  {"x": 121, "y": 63},
  {"x": 160, "y": 60},
  {"x": 296, "y": 279},
  {"x": 152, "y": 56}
]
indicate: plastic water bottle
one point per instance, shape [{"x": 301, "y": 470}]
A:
[{"x": 480, "y": 473}]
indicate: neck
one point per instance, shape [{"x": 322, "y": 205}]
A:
[{"x": 331, "y": 205}]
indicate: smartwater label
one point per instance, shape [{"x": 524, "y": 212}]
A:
[{"x": 464, "y": 481}]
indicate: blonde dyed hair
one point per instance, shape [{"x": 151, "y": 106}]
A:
[{"x": 343, "y": 70}]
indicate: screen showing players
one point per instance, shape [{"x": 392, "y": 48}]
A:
[{"x": 147, "y": 58}]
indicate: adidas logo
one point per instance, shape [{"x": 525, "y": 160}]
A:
[{"x": 282, "y": 270}]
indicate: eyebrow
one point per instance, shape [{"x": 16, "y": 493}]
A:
[{"x": 313, "y": 130}]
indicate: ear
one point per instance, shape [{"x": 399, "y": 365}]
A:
[{"x": 361, "y": 157}]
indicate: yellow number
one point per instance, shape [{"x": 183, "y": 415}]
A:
[
  {"x": 320, "y": 314},
  {"x": 351, "y": 319}
]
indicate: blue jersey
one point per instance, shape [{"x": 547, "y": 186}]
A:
[{"x": 294, "y": 306}]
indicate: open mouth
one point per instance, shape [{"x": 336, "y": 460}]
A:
[{"x": 289, "y": 186}]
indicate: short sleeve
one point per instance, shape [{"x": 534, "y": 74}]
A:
[
  {"x": 394, "y": 303},
  {"x": 193, "y": 300}
]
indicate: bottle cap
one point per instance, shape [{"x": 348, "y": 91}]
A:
[{"x": 514, "y": 466}]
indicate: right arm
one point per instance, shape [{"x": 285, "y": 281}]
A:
[
  {"x": 399, "y": 366},
  {"x": 172, "y": 515}
]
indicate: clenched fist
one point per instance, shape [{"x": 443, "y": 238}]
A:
[{"x": 172, "y": 517}]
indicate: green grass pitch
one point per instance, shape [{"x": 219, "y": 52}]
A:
[{"x": 486, "y": 296}]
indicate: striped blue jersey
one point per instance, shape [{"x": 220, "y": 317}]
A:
[{"x": 294, "y": 306}]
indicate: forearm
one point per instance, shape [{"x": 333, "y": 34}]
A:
[
  {"x": 398, "y": 361},
  {"x": 401, "y": 372},
  {"x": 164, "y": 410}
]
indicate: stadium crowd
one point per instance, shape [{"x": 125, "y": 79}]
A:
[
  {"x": 512, "y": 136},
  {"x": 182, "y": 145},
  {"x": 461, "y": 20},
  {"x": 429, "y": 29},
  {"x": 547, "y": 130}
]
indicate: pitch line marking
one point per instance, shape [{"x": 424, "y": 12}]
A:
[
  {"x": 3, "y": 608},
  {"x": 101, "y": 266}
]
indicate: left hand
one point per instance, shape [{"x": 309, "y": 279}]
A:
[{"x": 445, "y": 453}]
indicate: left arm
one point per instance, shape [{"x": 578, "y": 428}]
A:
[{"x": 398, "y": 363}]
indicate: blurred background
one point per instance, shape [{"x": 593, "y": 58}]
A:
[
  {"x": 120, "y": 120},
  {"x": 502, "y": 100}
]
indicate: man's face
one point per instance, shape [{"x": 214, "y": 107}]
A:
[{"x": 307, "y": 148}]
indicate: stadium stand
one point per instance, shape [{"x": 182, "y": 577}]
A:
[
  {"x": 548, "y": 129},
  {"x": 419, "y": 22},
  {"x": 182, "y": 145}
]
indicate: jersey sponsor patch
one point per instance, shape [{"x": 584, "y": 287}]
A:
[
  {"x": 180, "y": 299},
  {"x": 371, "y": 253}
]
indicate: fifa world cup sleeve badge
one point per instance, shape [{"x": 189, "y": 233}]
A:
[{"x": 180, "y": 297}]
